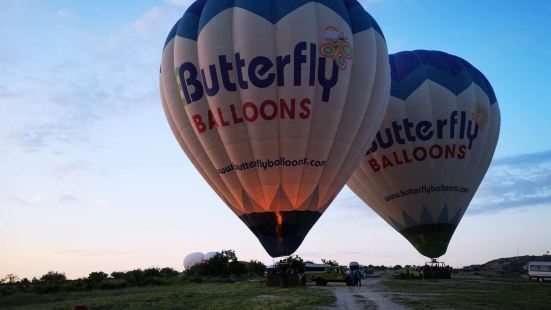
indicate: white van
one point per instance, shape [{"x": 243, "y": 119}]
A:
[{"x": 540, "y": 271}]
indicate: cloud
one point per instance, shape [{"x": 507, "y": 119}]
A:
[
  {"x": 99, "y": 252},
  {"x": 81, "y": 201},
  {"x": 155, "y": 22},
  {"x": 58, "y": 103},
  {"x": 515, "y": 182},
  {"x": 68, "y": 199},
  {"x": 34, "y": 138},
  {"x": 27, "y": 202},
  {"x": 180, "y": 2},
  {"x": 53, "y": 200},
  {"x": 366, "y": 2},
  {"x": 330, "y": 253},
  {"x": 76, "y": 168},
  {"x": 63, "y": 13}
]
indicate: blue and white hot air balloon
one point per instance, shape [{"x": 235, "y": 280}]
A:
[
  {"x": 432, "y": 149},
  {"x": 275, "y": 103}
]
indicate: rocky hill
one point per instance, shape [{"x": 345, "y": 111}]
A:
[{"x": 508, "y": 265}]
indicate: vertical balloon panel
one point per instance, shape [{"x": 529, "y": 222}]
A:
[{"x": 269, "y": 101}]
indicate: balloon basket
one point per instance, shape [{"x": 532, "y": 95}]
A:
[{"x": 435, "y": 270}]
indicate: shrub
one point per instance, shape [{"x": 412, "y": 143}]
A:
[
  {"x": 169, "y": 272},
  {"x": 256, "y": 268},
  {"x": 113, "y": 284}
]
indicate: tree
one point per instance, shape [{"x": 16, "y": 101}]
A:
[
  {"x": 330, "y": 262},
  {"x": 169, "y": 272},
  {"x": 97, "y": 277},
  {"x": 224, "y": 263},
  {"x": 152, "y": 272},
  {"x": 10, "y": 279},
  {"x": 118, "y": 275},
  {"x": 229, "y": 255},
  {"x": 53, "y": 277},
  {"x": 135, "y": 277},
  {"x": 236, "y": 268},
  {"x": 294, "y": 262}
]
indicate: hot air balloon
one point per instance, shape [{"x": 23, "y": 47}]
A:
[
  {"x": 209, "y": 255},
  {"x": 275, "y": 103},
  {"x": 193, "y": 259},
  {"x": 433, "y": 148}
]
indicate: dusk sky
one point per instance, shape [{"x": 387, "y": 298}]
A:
[{"x": 92, "y": 178}]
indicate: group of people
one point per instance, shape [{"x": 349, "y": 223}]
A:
[{"x": 355, "y": 277}]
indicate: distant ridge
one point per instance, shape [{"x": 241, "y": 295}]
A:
[{"x": 508, "y": 265}]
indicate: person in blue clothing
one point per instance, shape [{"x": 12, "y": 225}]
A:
[{"x": 357, "y": 278}]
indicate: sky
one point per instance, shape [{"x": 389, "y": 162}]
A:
[{"x": 91, "y": 177}]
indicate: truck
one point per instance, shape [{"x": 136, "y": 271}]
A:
[{"x": 321, "y": 274}]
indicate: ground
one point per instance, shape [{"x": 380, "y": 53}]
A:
[
  {"x": 463, "y": 291},
  {"x": 243, "y": 295},
  {"x": 470, "y": 291},
  {"x": 368, "y": 296}
]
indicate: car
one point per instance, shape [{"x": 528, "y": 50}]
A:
[{"x": 539, "y": 271}]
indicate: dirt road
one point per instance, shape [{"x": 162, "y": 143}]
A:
[{"x": 368, "y": 296}]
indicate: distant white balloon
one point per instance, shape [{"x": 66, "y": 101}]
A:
[
  {"x": 193, "y": 259},
  {"x": 209, "y": 255}
]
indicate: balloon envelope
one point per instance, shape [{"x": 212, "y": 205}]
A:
[
  {"x": 209, "y": 255},
  {"x": 433, "y": 148},
  {"x": 275, "y": 102},
  {"x": 193, "y": 259}
]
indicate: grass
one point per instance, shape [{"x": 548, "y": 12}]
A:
[
  {"x": 243, "y": 295},
  {"x": 470, "y": 292}
]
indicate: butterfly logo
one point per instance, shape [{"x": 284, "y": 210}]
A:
[
  {"x": 336, "y": 47},
  {"x": 480, "y": 115}
]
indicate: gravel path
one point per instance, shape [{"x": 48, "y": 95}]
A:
[{"x": 368, "y": 296}]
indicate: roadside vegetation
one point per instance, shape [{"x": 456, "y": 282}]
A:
[
  {"x": 237, "y": 295},
  {"x": 223, "y": 282}
]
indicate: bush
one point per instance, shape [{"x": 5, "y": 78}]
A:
[
  {"x": 237, "y": 268},
  {"x": 97, "y": 277},
  {"x": 135, "y": 277},
  {"x": 150, "y": 273},
  {"x": 113, "y": 284},
  {"x": 7, "y": 290},
  {"x": 169, "y": 273},
  {"x": 256, "y": 268},
  {"x": 118, "y": 275},
  {"x": 78, "y": 285}
]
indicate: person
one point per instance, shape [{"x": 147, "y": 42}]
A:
[
  {"x": 358, "y": 278},
  {"x": 352, "y": 276}
]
